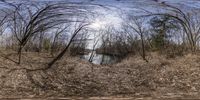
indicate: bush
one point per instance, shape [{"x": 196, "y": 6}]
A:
[{"x": 46, "y": 44}]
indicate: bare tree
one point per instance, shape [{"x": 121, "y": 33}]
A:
[
  {"x": 61, "y": 54},
  {"x": 28, "y": 20},
  {"x": 188, "y": 20},
  {"x": 79, "y": 43},
  {"x": 25, "y": 23},
  {"x": 137, "y": 24},
  {"x": 3, "y": 18},
  {"x": 96, "y": 41},
  {"x": 59, "y": 31}
]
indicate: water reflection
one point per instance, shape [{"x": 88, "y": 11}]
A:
[{"x": 100, "y": 58}]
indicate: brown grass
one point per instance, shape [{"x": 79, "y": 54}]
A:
[{"x": 73, "y": 77}]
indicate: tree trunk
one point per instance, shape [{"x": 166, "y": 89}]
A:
[
  {"x": 59, "y": 56},
  {"x": 19, "y": 54},
  {"x": 66, "y": 48},
  {"x": 143, "y": 48},
  {"x": 91, "y": 56}
]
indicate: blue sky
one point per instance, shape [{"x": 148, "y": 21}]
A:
[
  {"x": 127, "y": 4},
  {"x": 118, "y": 7}
]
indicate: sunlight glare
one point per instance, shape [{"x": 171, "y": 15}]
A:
[
  {"x": 97, "y": 24},
  {"x": 102, "y": 22}
]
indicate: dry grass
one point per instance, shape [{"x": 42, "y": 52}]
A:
[{"x": 74, "y": 77}]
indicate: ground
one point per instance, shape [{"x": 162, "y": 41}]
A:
[{"x": 160, "y": 78}]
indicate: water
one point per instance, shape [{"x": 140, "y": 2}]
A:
[{"x": 100, "y": 58}]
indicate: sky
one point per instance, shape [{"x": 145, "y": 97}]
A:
[
  {"x": 114, "y": 16},
  {"x": 118, "y": 8}
]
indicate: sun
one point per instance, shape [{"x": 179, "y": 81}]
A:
[
  {"x": 103, "y": 22},
  {"x": 97, "y": 24}
]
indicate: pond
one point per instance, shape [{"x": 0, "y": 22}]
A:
[{"x": 100, "y": 59}]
